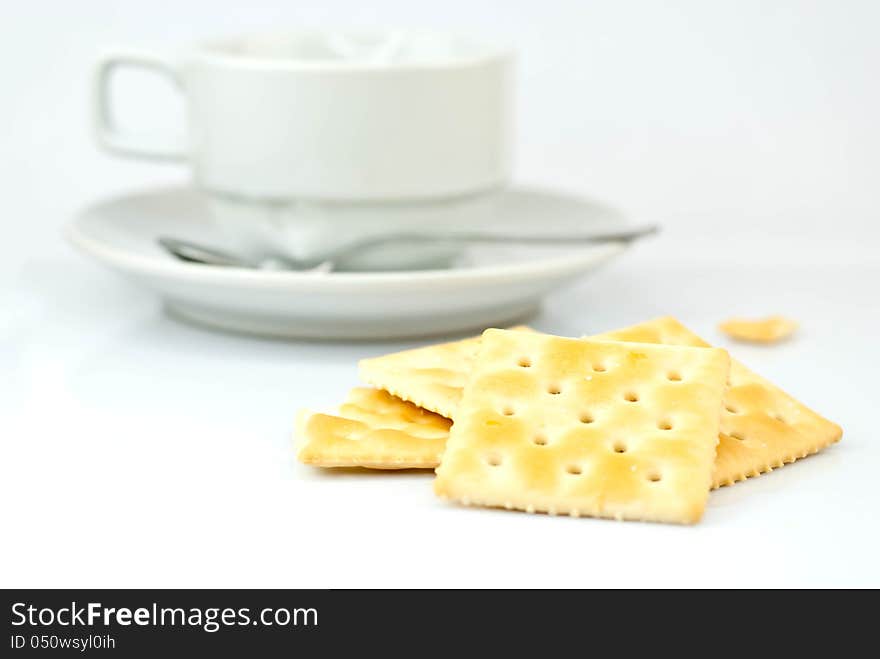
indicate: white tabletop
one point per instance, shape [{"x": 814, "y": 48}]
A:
[{"x": 139, "y": 451}]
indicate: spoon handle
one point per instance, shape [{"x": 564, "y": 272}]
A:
[{"x": 620, "y": 235}]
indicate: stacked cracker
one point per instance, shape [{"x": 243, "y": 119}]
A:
[{"x": 638, "y": 423}]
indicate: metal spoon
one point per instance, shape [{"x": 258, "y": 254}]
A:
[{"x": 195, "y": 253}]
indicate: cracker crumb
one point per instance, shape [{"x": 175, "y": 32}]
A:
[{"x": 763, "y": 330}]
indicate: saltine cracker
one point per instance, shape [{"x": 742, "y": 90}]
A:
[{"x": 583, "y": 427}]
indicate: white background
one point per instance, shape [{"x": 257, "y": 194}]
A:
[{"x": 141, "y": 452}]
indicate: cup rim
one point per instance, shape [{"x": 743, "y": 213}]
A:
[{"x": 212, "y": 51}]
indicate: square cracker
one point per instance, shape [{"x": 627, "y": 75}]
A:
[
  {"x": 583, "y": 427},
  {"x": 374, "y": 430},
  {"x": 431, "y": 377},
  {"x": 762, "y": 427}
]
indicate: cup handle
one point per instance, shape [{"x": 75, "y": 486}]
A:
[{"x": 106, "y": 133}]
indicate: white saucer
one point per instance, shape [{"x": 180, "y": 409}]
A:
[{"x": 493, "y": 285}]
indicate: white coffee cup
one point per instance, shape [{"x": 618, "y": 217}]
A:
[{"x": 283, "y": 129}]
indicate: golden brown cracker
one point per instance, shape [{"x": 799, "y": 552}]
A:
[
  {"x": 583, "y": 427},
  {"x": 374, "y": 430},
  {"x": 765, "y": 330}
]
